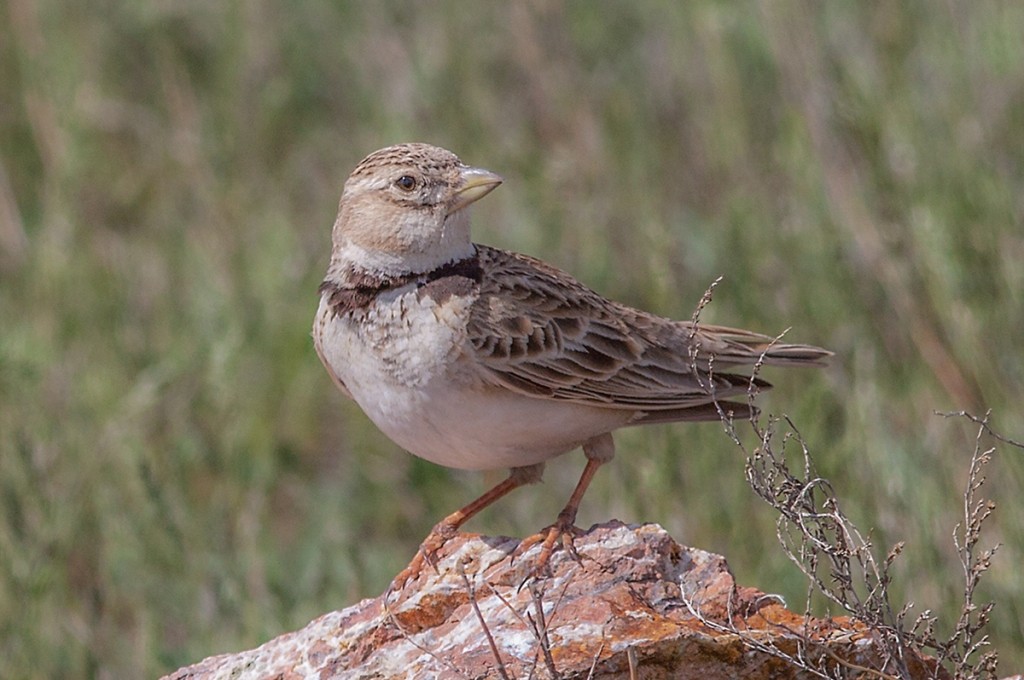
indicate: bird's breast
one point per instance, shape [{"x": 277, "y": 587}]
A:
[{"x": 400, "y": 341}]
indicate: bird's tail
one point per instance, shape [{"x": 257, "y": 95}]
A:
[{"x": 736, "y": 347}]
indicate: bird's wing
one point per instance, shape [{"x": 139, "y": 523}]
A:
[{"x": 538, "y": 331}]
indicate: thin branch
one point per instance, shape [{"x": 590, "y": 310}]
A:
[
  {"x": 471, "y": 591},
  {"x": 540, "y": 629}
]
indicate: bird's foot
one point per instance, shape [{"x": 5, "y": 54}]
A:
[
  {"x": 563, "y": 530},
  {"x": 427, "y": 555}
]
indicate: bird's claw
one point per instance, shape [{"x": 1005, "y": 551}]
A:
[
  {"x": 548, "y": 537},
  {"x": 427, "y": 555}
]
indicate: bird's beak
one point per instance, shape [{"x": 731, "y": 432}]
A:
[{"x": 476, "y": 183}]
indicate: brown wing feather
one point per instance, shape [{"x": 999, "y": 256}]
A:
[{"x": 540, "y": 332}]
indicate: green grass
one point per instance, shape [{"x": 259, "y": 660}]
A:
[{"x": 178, "y": 477}]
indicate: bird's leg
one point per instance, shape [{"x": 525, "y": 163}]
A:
[
  {"x": 598, "y": 451},
  {"x": 449, "y": 527}
]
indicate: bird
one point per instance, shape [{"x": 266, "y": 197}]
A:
[{"x": 478, "y": 358}]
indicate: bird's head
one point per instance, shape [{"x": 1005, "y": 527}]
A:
[{"x": 403, "y": 209}]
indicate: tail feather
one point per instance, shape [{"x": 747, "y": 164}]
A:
[
  {"x": 736, "y": 347},
  {"x": 795, "y": 355},
  {"x": 731, "y": 409}
]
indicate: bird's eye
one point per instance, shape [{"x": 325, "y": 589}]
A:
[{"x": 406, "y": 182}]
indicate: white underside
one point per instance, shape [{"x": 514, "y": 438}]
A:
[{"x": 406, "y": 368}]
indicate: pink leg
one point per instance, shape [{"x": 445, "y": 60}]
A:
[
  {"x": 449, "y": 526},
  {"x": 599, "y": 451}
]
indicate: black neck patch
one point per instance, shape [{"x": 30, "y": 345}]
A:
[{"x": 361, "y": 287}]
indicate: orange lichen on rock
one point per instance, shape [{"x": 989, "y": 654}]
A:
[{"x": 631, "y": 600}]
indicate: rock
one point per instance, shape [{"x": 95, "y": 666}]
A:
[{"x": 634, "y": 604}]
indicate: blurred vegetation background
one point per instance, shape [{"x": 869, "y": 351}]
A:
[{"x": 178, "y": 477}]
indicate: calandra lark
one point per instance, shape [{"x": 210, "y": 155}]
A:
[{"x": 478, "y": 358}]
